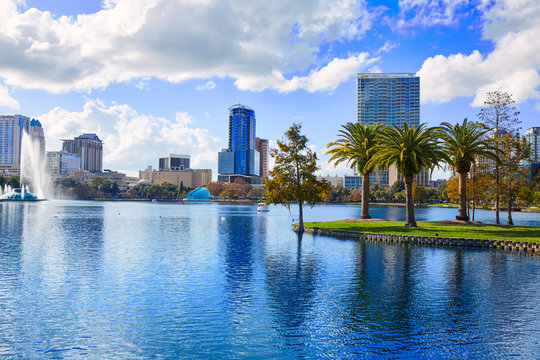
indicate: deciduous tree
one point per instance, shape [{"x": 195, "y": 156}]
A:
[
  {"x": 501, "y": 115},
  {"x": 293, "y": 176}
]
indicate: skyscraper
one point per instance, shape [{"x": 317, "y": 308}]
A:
[
  {"x": 90, "y": 148},
  {"x": 261, "y": 145},
  {"x": 392, "y": 99},
  {"x": 533, "y": 138},
  {"x": 12, "y": 128},
  {"x": 240, "y": 159}
]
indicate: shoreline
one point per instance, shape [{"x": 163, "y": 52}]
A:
[{"x": 436, "y": 241}]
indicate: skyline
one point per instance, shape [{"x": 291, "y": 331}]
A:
[{"x": 152, "y": 78}]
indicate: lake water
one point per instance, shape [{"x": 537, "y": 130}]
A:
[{"x": 139, "y": 280}]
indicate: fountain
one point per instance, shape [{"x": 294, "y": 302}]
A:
[{"x": 33, "y": 174}]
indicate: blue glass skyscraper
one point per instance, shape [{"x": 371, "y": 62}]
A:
[{"x": 241, "y": 157}]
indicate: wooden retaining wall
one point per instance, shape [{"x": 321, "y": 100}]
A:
[{"x": 521, "y": 246}]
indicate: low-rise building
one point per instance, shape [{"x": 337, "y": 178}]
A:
[{"x": 190, "y": 178}]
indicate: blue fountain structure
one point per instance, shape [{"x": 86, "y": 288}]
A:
[{"x": 18, "y": 194}]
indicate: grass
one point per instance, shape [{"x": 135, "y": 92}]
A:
[{"x": 430, "y": 228}]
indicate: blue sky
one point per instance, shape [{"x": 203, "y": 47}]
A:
[{"x": 157, "y": 76}]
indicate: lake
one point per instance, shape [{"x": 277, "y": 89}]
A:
[{"x": 140, "y": 280}]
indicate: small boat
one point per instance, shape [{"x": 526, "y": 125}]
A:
[{"x": 262, "y": 207}]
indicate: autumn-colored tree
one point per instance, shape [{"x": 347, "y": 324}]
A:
[
  {"x": 357, "y": 196},
  {"x": 293, "y": 176},
  {"x": 216, "y": 188}
]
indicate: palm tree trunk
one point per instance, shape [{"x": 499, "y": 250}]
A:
[
  {"x": 462, "y": 212},
  {"x": 300, "y": 217},
  {"x": 409, "y": 201},
  {"x": 365, "y": 197}
]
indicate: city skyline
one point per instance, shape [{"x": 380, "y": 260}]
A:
[{"x": 300, "y": 67}]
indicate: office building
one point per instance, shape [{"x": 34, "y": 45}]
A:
[
  {"x": 241, "y": 157},
  {"x": 61, "y": 163},
  {"x": 174, "y": 162},
  {"x": 392, "y": 99},
  {"x": 12, "y": 128},
  {"x": 533, "y": 138},
  {"x": 261, "y": 145},
  {"x": 192, "y": 178},
  {"x": 90, "y": 149}
]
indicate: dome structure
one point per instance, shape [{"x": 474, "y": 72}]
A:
[{"x": 199, "y": 193}]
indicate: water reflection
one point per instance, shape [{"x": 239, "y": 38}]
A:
[
  {"x": 237, "y": 235},
  {"x": 291, "y": 286}
]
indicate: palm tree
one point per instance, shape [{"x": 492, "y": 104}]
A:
[
  {"x": 356, "y": 145},
  {"x": 463, "y": 143},
  {"x": 410, "y": 149}
]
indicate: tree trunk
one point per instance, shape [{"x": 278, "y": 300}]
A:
[
  {"x": 497, "y": 195},
  {"x": 510, "y": 222},
  {"x": 365, "y": 197},
  {"x": 462, "y": 212},
  {"x": 409, "y": 201},
  {"x": 300, "y": 217},
  {"x": 474, "y": 193}
]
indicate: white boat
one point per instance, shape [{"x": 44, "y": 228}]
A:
[{"x": 262, "y": 207}]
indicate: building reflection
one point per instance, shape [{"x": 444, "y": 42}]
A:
[{"x": 237, "y": 237}]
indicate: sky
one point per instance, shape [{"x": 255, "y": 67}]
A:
[{"x": 152, "y": 77}]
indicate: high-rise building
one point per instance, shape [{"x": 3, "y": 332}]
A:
[
  {"x": 533, "y": 138},
  {"x": 261, "y": 145},
  {"x": 90, "y": 148},
  {"x": 240, "y": 158},
  {"x": 174, "y": 162},
  {"x": 12, "y": 128},
  {"x": 392, "y": 99},
  {"x": 61, "y": 163}
]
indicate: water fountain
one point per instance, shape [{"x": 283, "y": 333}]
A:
[{"x": 33, "y": 174}]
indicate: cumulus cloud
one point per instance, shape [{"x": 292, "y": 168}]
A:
[
  {"x": 326, "y": 78},
  {"x": 172, "y": 40},
  {"x": 132, "y": 141},
  {"x": 513, "y": 65},
  {"x": 6, "y": 99}
]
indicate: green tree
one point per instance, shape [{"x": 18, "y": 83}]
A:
[
  {"x": 14, "y": 181},
  {"x": 500, "y": 114},
  {"x": 356, "y": 145},
  {"x": 104, "y": 185},
  {"x": 463, "y": 143},
  {"x": 293, "y": 176},
  {"x": 515, "y": 149},
  {"x": 410, "y": 149}
]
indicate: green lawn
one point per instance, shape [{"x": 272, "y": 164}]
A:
[{"x": 430, "y": 228}]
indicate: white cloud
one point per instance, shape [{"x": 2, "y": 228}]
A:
[
  {"x": 132, "y": 140},
  {"x": 387, "y": 47},
  {"x": 6, "y": 99},
  {"x": 326, "y": 78},
  {"x": 209, "y": 85},
  {"x": 513, "y": 65},
  {"x": 173, "y": 40},
  {"x": 428, "y": 12}
]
